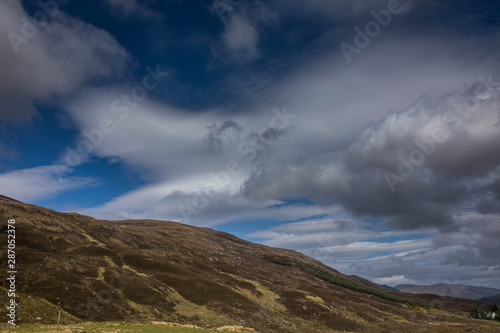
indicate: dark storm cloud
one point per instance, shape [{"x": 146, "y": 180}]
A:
[
  {"x": 462, "y": 257},
  {"x": 414, "y": 167},
  {"x": 488, "y": 245},
  {"x": 490, "y": 200},
  {"x": 483, "y": 253}
]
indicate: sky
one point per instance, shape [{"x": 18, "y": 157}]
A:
[{"x": 363, "y": 133}]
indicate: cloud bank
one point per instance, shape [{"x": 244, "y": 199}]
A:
[{"x": 43, "y": 60}]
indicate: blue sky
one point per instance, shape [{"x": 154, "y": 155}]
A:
[{"x": 362, "y": 133}]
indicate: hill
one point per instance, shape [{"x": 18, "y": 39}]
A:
[
  {"x": 145, "y": 270},
  {"x": 491, "y": 299},
  {"x": 454, "y": 290},
  {"x": 386, "y": 287}
]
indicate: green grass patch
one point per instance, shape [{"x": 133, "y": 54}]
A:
[
  {"x": 31, "y": 310},
  {"x": 352, "y": 285}
]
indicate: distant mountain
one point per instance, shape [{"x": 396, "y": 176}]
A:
[
  {"x": 491, "y": 299},
  {"x": 386, "y": 287},
  {"x": 454, "y": 290},
  {"x": 146, "y": 270}
]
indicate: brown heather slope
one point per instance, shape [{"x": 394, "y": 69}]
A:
[{"x": 165, "y": 271}]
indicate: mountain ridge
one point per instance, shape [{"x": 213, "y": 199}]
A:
[
  {"x": 453, "y": 290},
  {"x": 495, "y": 299}
]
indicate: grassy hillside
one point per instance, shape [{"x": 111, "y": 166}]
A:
[
  {"x": 143, "y": 271},
  {"x": 32, "y": 309}
]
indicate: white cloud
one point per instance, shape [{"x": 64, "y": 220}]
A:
[
  {"x": 394, "y": 280},
  {"x": 345, "y": 136},
  {"x": 42, "y": 182},
  {"x": 241, "y": 38},
  {"x": 42, "y": 64},
  {"x": 367, "y": 248},
  {"x": 424, "y": 263},
  {"x": 189, "y": 155},
  {"x": 360, "y": 248},
  {"x": 332, "y": 103},
  {"x": 314, "y": 233},
  {"x": 243, "y": 23}
]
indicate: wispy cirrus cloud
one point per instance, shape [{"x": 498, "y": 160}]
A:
[{"x": 42, "y": 182}]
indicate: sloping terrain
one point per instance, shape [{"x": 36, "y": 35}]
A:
[
  {"x": 33, "y": 309},
  {"x": 386, "y": 287},
  {"x": 491, "y": 300},
  {"x": 453, "y": 290},
  {"x": 148, "y": 270}
]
